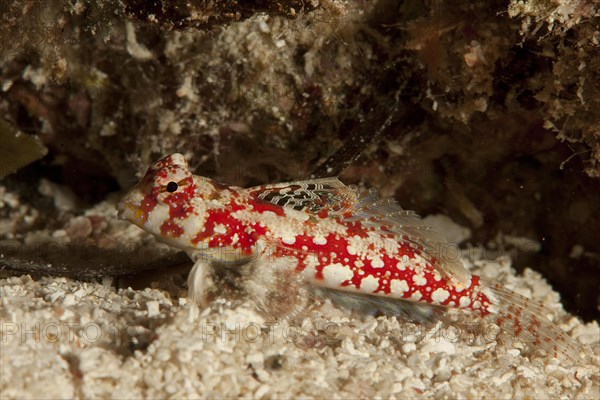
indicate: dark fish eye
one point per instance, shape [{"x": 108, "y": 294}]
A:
[{"x": 171, "y": 187}]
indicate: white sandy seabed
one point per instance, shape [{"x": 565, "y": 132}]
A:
[{"x": 63, "y": 338}]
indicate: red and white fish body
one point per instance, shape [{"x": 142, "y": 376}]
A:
[{"x": 330, "y": 236}]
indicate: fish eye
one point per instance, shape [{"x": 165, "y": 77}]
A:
[{"x": 172, "y": 186}]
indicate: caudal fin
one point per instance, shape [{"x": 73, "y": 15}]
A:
[{"x": 527, "y": 321}]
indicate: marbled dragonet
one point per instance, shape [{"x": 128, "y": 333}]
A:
[{"x": 326, "y": 235}]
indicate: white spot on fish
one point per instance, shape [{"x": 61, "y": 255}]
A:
[
  {"x": 335, "y": 274},
  {"x": 311, "y": 262},
  {"x": 416, "y": 296},
  {"x": 440, "y": 295},
  {"x": 419, "y": 280},
  {"x": 377, "y": 263},
  {"x": 289, "y": 239},
  {"x": 319, "y": 240},
  {"x": 369, "y": 284},
  {"x": 398, "y": 287},
  {"x": 464, "y": 301}
]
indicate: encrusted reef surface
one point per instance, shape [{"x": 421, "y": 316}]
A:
[{"x": 486, "y": 112}]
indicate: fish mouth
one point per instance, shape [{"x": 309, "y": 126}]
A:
[{"x": 128, "y": 211}]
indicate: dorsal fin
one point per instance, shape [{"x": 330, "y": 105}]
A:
[{"x": 324, "y": 197}]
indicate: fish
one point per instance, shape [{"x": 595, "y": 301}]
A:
[{"x": 325, "y": 236}]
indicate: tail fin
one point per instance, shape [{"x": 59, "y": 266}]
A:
[{"x": 527, "y": 320}]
